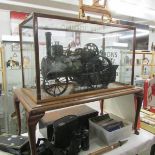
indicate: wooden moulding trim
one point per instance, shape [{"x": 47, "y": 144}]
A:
[
  {"x": 133, "y": 56},
  {"x": 30, "y": 95},
  {"x": 94, "y": 97},
  {"x": 33, "y": 117},
  {"x": 100, "y": 10},
  {"x": 90, "y": 93},
  {"x": 37, "y": 53},
  {"x": 34, "y": 108},
  {"x": 24, "y": 99},
  {"x": 71, "y": 102},
  {"x": 138, "y": 52}
]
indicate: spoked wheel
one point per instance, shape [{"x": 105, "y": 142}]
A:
[
  {"x": 101, "y": 72},
  {"x": 92, "y": 48},
  {"x": 57, "y": 86}
]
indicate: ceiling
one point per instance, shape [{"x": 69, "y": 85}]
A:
[{"x": 141, "y": 11}]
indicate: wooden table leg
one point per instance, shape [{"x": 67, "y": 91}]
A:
[
  {"x": 17, "y": 110},
  {"x": 139, "y": 99},
  {"x": 101, "y": 106},
  {"x": 32, "y": 121}
]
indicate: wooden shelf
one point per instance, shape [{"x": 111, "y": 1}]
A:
[
  {"x": 148, "y": 64},
  {"x": 138, "y": 52},
  {"x": 144, "y": 54},
  {"x": 141, "y": 52},
  {"x": 17, "y": 68},
  {"x": 13, "y": 69},
  {"x": 130, "y": 65},
  {"x": 145, "y": 76}
]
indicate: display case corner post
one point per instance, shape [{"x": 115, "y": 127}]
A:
[
  {"x": 133, "y": 59},
  {"x": 17, "y": 111},
  {"x": 36, "y": 50},
  {"x": 139, "y": 100},
  {"x": 21, "y": 49},
  {"x": 34, "y": 14}
]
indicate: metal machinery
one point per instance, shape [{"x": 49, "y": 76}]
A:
[{"x": 84, "y": 67}]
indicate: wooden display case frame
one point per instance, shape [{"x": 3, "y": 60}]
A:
[
  {"x": 35, "y": 107},
  {"x": 37, "y": 95}
]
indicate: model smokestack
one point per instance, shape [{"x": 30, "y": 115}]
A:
[{"x": 48, "y": 43}]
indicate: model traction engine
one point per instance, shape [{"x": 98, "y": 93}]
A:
[{"x": 83, "y": 66}]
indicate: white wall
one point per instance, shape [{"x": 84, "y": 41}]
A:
[
  {"x": 123, "y": 107},
  {"x": 4, "y": 23}
]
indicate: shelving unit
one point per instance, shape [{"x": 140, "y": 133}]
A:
[
  {"x": 150, "y": 64},
  {"x": 143, "y": 70}
]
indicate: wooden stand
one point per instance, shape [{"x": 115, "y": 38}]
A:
[
  {"x": 95, "y": 8},
  {"x": 34, "y": 111},
  {"x": 3, "y": 70}
]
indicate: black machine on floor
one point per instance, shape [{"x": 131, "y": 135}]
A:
[
  {"x": 84, "y": 66},
  {"x": 83, "y": 112},
  {"x": 67, "y": 130},
  {"x": 68, "y": 138},
  {"x": 14, "y": 144}
]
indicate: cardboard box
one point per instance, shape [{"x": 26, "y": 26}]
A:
[
  {"x": 114, "y": 136},
  {"x": 147, "y": 120}
]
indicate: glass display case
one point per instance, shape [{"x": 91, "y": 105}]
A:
[
  {"x": 74, "y": 56},
  {"x": 12, "y": 63},
  {"x": 10, "y": 67}
]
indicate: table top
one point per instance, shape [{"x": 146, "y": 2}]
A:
[{"x": 32, "y": 106}]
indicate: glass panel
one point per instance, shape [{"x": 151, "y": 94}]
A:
[
  {"x": 12, "y": 60},
  {"x": 79, "y": 57},
  {"x": 58, "y": 24},
  {"x": 13, "y": 66},
  {"x": 119, "y": 49},
  {"x": 28, "y": 56},
  {"x": 28, "y": 24}
]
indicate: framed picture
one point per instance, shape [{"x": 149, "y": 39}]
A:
[{"x": 16, "y": 47}]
